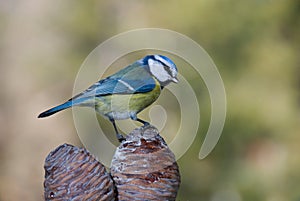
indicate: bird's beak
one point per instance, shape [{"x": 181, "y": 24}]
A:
[{"x": 174, "y": 79}]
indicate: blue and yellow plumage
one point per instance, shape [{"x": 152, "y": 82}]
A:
[{"x": 126, "y": 93}]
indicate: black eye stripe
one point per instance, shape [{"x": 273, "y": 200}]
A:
[
  {"x": 163, "y": 63},
  {"x": 168, "y": 69}
]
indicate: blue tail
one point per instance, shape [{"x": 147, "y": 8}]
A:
[
  {"x": 69, "y": 103},
  {"x": 56, "y": 109}
]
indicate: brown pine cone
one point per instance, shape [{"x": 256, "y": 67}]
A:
[
  {"x": 72, "y": 173},
  {"x": 144, "y": 168}
]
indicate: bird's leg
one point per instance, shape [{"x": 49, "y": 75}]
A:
[
  {"x": 134, "y": 117},
  {"x": 143, "y": 122},
  {"x": 120, "y": 137}
]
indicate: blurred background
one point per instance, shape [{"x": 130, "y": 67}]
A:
[{"x": 255, "y": 44}]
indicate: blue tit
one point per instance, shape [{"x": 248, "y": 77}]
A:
[{"x": 126, "y": 93}]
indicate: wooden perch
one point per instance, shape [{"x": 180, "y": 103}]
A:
[{"x": 143, "y": 168}]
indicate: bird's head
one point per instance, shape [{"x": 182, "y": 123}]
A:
[{"x": 162, "y": 68}]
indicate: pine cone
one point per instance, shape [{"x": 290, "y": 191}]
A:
[
  {"x": 72, "y": 173},
  {"x": 144, "y": 168}
]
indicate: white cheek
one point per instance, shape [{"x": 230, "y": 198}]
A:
[{"x": 158, "y": 70}]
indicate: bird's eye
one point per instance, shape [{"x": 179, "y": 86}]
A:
[{"x": 168, "y": 69}]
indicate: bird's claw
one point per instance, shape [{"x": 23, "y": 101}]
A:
[
  {"x": 146, "y": 124},
  {"x": 120, "y": 137}
]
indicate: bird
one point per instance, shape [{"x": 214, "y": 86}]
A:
[{"x": 127, "y": 92}]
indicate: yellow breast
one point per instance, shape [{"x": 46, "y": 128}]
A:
[{"x": 122, "y": 106}]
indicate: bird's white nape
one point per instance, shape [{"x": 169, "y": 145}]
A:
[{"x": 157, "y": 69}]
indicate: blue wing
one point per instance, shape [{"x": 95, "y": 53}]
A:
[{"x": 136, "y": 80}]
